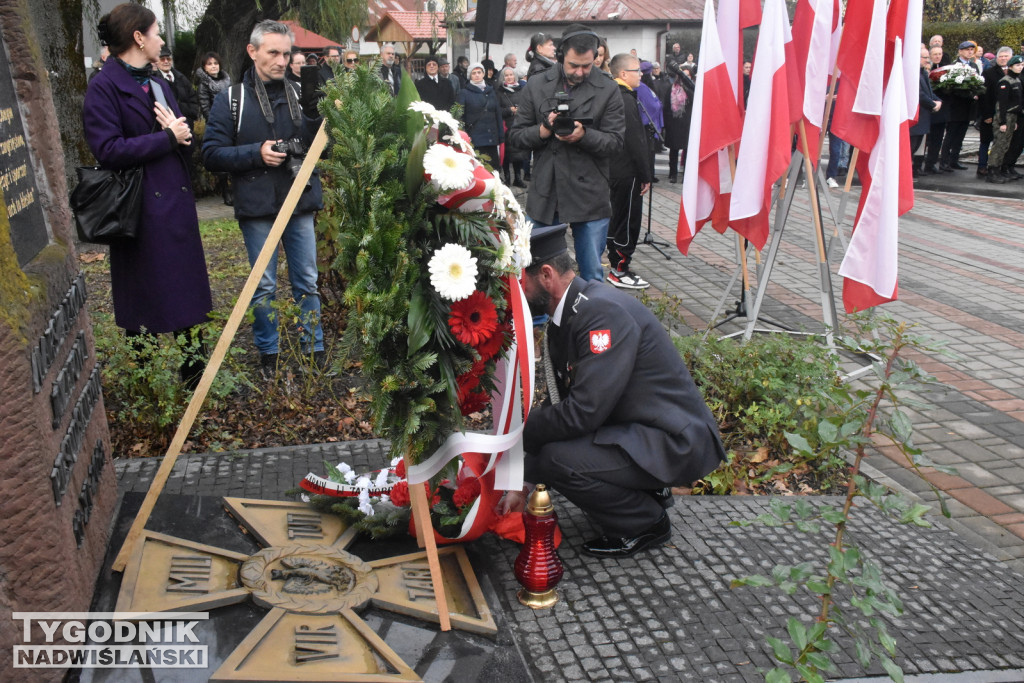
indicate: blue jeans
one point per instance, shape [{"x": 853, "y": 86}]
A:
[
  {"x": 590, "y": 238},
  {"x": 299, "y": 241},
  {"x": 838, "y": 155}
]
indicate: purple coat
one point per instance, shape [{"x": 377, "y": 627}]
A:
[{"x": 159, "y": 279}]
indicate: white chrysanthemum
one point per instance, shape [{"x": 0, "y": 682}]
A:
[
  {"x": 385, "y": 499},
  {"x": 363, "y": 482},
  {"x": 395, "y": 461},
  {"x": 382, "y": 478},
  {"x": 449, "y": 169},
  {"x": 505, "y": 250},
  {"x": 453, "y": 272},
  {"x": 349, "y": 476},
  {"x": 521, "y": 242},
  {"x": 364, "y": 503},
  {"x": 422, "y": 107},
  {"x": 304, "y": 498},
  {"x": 959, "y": 79},
  {"x": 344, "y": 467},
  {"x": 447, "y": 119}
]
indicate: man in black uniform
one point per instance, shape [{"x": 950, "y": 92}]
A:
[
  {"x": 435, "y": 89},
  {"x": 630, "y": 421}
]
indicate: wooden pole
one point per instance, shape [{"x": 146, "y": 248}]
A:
[
  {"x": 223, "y": 344},
  {"x": 741, "y": 253},
  {"x": 815, "y": 211},
  {"x": 425, "y": 536},
  {"x": 828, "y": 110}
]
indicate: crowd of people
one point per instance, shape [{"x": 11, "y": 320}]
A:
[{"x": 947, "y": 112}]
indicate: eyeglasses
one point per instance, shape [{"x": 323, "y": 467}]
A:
[
  {"x": 165, "y": 58},
  {"x": 351, "y": 61},
  {"x": 636, "y": 71}
]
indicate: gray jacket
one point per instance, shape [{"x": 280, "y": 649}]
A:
[{"x": 570, "y": 179}]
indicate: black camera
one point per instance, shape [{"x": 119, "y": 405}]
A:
[
  {"x": 296, "y": 151},
  {"x": 563, "y": 124}
]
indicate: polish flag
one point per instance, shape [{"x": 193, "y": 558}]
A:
[
  {"x": 715, "y": 124},
  {"x": 812, "y": 35},
  {"x": 765, "y": 146},
  {"x": 733, "y": 17},
  {"x": 861, "y": 60},
  {"x": 870, "y": 264},
  {"x": 904, "y": 20}
]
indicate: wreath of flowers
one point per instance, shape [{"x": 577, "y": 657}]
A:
[
  {"x": 428, "y": 241},
  {"x": 957, "y": 79}
]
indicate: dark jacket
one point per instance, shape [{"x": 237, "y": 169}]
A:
[
  {"x": 482, "y": 115},
  {"x": 509, "y": 98},
  {"x": 538, "y": 65},
  {"x": 1008, "y": 98},
  {"x": 210, "y": 87},
  {"x": 926, "y": 104},
  {"x": 570, "y": 179},
  {"x": 629, "y": 388},
  {"x": 396, "y": 75},
  {"x": 260, "y": 190},
  {"x": 440, "y": 94},
  {"x": 987, "y": 104},
  {"x": 184, "y": 93},
  {"x": 634, "y": 161},
  {"x": 677, "y": 126},
  {"x": 158, "y": 279}
]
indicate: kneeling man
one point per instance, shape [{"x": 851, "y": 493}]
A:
[{"x": 630, "y": 421}]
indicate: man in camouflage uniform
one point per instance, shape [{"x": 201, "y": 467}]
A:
[{"x": 1004, "y": 126}]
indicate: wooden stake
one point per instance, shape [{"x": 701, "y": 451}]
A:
[
  {"x": 818, "y": 234},
  {"x": 850, "y": 169},
  {"x": 220, "y": 351},
  {"x": 828, "y": 111},
  {"x": 425, "y": 536}
]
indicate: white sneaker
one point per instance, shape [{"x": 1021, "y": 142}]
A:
[
  {"x": 831, "y": 182},
  {"x": 627, "y": 280}
]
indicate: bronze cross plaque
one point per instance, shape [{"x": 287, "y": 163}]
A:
[{"x": 311, "y": 585}]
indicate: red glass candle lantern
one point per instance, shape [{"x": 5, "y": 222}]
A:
[{"x": 538, "y": 568}]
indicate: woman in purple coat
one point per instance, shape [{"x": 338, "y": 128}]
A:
[{"x": 159, "y": 279}]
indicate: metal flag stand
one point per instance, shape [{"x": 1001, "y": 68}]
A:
[{"x": 658, "y": 245}]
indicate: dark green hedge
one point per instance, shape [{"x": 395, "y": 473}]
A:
[{"x": 991, "y": 35}]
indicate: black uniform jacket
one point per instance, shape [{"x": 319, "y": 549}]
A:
[{"x": 623, "y": 381}]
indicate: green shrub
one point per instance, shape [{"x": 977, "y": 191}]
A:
[{"x": 991, "y": 35}]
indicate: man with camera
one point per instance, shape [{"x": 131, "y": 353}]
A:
[
  {"x": 573, "y": 118},
  {"x": 259, "y": 131}
]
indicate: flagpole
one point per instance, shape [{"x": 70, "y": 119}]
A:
[
  {"x": 828, "y": 110},
  {"x": 851, "y": 167},
  {"x": 828, "y": 304}
]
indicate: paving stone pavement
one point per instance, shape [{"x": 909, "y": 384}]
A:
[{"x": 669, "y": 613}]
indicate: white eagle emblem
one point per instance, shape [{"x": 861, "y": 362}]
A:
[{"x": 600, "y": 340}]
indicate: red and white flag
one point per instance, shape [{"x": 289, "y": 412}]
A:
[
  {"x": 765, "y": 146},
  {"x": 870, "y": 264},
  {"x": 861, "y": 61},
  {"x": 715, "y": 124},
  {"x": 905, "y": 20},
  {"x": 813, "y": 25},
  {"x": 733, "y": 17}
]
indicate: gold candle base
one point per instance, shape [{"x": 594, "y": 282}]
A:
[{"x": 537, "y": 600}]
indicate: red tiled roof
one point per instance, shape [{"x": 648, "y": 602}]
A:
[
  {"x": 421, "y": 24},
  {"x": 596, "y": 11},
  {"x": 307, "y": 40}
]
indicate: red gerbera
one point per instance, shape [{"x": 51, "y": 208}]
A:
[
  {"x": 474, "y": 402},
  {"x": 490, "y": 348},
  {"x": 466, "y": 493},
  {"x": 400, "y": 494},
  {"x": 474, "y": 319}
]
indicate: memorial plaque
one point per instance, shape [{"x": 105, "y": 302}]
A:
[
  {"x": 17, "y": 175},
  {"x": 311, "y": 585}
]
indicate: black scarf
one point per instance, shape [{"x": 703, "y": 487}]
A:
[{"x": 141, "y": 74}]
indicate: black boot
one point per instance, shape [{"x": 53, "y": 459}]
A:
[
  {"x": 518, "y": 182},
  {"x": 995, "y": 177},
  {"x": 672, "y": 177}
]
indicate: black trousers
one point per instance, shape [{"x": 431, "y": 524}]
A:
[
  {"x": 935, "y": 135},
  {"x": 986, "y": 136},
  {"x": 953, "y": 141},
  {"x": 676, "y": 160},
  {"x": 624, "y": 226},
  {"x": 601, "y": 480}
]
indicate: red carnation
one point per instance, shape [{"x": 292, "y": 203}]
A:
[
  {"x": 467, "y": 493},
  {"x": 400, "y": 469},
  {"x": 400, "y": 494},
  {"x": 474, "y": 319}
]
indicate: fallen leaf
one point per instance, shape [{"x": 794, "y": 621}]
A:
[
  {"x": 91, "y": 256},
  {"x": 760, "y": 455}
]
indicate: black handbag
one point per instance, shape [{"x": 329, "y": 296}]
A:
[{"x": 107, "y": 204}]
